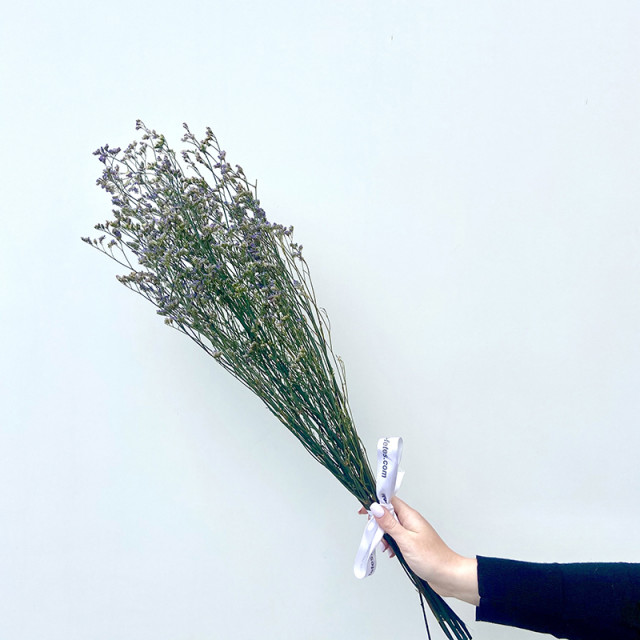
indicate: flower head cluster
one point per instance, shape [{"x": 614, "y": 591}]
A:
[{"x": 196, "y": 243}]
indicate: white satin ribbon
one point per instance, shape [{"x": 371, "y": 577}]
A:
[{"x": 388, "y": 481}]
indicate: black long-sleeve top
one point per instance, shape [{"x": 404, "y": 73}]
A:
[{"x": 583, "y": 601}]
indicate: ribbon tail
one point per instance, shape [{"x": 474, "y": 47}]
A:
[
  {"x": 365, "y": 562},
  {"x": 388, "y": 481}
]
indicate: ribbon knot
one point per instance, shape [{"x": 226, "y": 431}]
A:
[{"x": 388, "y": 481}]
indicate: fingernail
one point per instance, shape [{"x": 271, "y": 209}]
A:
[{"x": 377, "y": 510}]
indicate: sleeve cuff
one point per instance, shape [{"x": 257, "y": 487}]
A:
[{"x": 520, "y": 594}]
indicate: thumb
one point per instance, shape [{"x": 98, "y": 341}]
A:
[{"x": 388, "y": 523}]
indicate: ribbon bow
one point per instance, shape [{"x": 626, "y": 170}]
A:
[{"x": 388, "y": 481}]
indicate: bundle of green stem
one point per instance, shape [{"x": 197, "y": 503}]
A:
[{"x": 197, "y": 245}]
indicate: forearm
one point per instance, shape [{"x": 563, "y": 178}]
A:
[
  {"x": 459, "y": 579},
  {"x": 466, "y": 581}
]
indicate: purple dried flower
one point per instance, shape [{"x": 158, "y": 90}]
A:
[{"x": 198, "y": 246}]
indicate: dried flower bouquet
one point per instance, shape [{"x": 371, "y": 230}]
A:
[{"x": 197, "y": 244}]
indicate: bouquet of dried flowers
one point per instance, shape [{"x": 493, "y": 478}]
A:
[{"x": 196, "y": 243}]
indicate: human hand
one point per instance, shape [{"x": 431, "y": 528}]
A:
[{"x": 448, "y": 573}]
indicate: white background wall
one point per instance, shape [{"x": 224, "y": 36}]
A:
[{"x": 464, "y": 178}]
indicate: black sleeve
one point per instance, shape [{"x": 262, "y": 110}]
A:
[{"x": 584, "y": 601}]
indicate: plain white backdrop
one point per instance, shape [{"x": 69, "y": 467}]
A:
[{"x": 464, "y": 179}]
